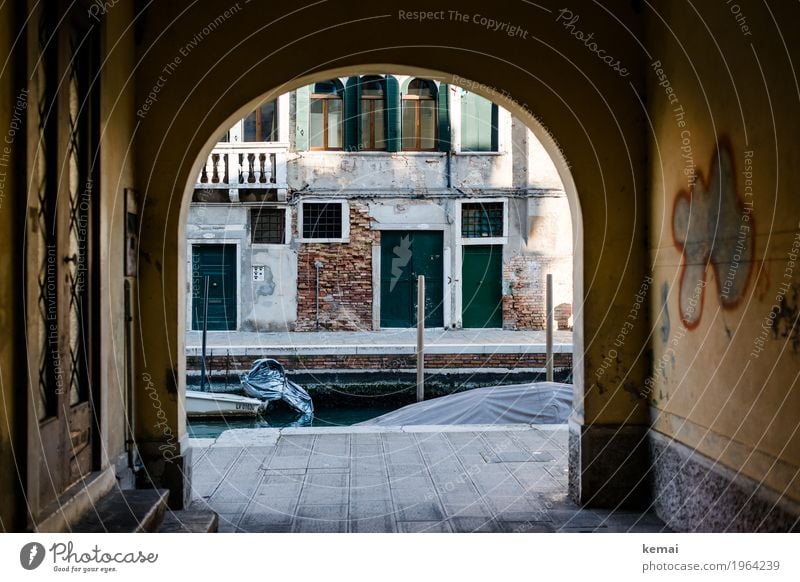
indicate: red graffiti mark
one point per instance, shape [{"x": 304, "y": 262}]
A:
[{"x": 712, "y": 226}]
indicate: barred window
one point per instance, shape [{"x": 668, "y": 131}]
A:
[
  {"x": 482, "y": 220},
  {"x": 322, "y": 220},
  {"x": 268, "y": 226}
]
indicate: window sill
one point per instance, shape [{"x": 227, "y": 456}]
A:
[
  {"x": 322, "y": 240},
  {"x": 496, "y": 240}
]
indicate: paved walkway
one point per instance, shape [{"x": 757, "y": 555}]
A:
[
  {"x": 389, "y": 341},
  {"x": 412, "y": 479}
]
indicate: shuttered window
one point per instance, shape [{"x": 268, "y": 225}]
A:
[
  {"x": 373, "y": 114},
  {"x": 325, "y": 117},
  {"x": 419, "y": 116},
  {"x": 478, "y": 124}
]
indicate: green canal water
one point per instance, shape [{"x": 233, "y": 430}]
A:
[{"x": 213, "y": 427}]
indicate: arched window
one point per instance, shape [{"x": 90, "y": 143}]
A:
[
  {"x": 325, "y": 115},
  {"x": 373, "y": 114},
  {"x": 262, "y": 124},
  {"x": 419, "y": 116}
]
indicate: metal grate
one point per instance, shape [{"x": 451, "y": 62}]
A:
[
  {"x": 80, "y": 199},
  {"x": 43, "y": 247},
  {"x": 482, "y": 219},
  {"x": 268, "y": 226},
  {"x": 322, "y": 220}
]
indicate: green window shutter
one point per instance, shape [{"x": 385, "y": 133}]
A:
[
  {"x": 392, "y": 88},
  {"x": 478, "y": 124},
  {"x": 352, "y": 117},
  {"x": 495, "y": 140},
  {"x": 301, "y": 122},
  {"x": 443, "y": 106},
  {"x": 469, "y": 123}
]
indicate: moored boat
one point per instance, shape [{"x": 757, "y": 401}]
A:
[{"x": 210, "y": 404}]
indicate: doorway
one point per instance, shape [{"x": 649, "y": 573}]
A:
[
  {"x": 404, "y": 256},
  {"x": 62, "y": 268},
  {"x": 481, "y": 286},
  {"x": 218, "y": 263}
]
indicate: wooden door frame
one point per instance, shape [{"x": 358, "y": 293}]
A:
[{"x": 49, "y": 444}]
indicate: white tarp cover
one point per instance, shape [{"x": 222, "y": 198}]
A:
[{"x": 534, "y": 403}]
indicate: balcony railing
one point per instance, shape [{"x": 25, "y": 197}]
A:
[{"x": 237, "y": 165}]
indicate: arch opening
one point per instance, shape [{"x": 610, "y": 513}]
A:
[{"x": 280, "y": 221}]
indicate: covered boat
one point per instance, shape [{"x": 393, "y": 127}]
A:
[
  {"x": 267, "y": 381},
  {"x": 534, "y": 403}
]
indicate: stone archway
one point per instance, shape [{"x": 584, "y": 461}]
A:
[{"x": 599, "y": 158}]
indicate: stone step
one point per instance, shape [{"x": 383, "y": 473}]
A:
[
  {"x": 188, "y": 521},
  {"x": 125, "y": 511}
]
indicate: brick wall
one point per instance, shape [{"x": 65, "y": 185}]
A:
[
  {"x": 386, "y": 362},
  {"x": 345, "y": 287},
  {"x": 523, "y": 300}
]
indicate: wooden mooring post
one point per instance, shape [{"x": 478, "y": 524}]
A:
[
  {"x": 420, "y": 338},
  {"x": 549, "y": 328}
]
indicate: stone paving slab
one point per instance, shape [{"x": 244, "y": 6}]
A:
[{"x": 508, "y": 479}]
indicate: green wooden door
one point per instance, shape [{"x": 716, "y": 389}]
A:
[
  {"x": 218, "y": 262},
  {"x": 404, "y": 255},
  {"x": 481, "y": 286}
]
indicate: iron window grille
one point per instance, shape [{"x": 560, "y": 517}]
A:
[
  {"x": 322, "y": 220},
  {"x": 268, "y": 226},
  {"x": 482, "y": 220}
]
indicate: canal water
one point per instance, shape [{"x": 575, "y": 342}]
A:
[
  {"x": 344, "y": 398},
  {"x": 325, "y": 417}
]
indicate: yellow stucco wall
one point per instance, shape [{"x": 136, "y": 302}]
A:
[
  {"x": 713, "y": 387},
  {"x": 116, "y": 174}
]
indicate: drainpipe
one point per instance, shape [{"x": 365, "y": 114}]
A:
[
  {"x": 449, "y": 168},
  {"x": 317, "y": 267}
]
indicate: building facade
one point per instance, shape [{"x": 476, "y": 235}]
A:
[{"x": 319, "y": 210}]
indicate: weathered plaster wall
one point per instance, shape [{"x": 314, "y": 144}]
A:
[
  {"x": 539, "y": 244},
  {"x": 724, "y": 236},
  {"x": 402, "y": 170},
  {"x": 268, "y": 305}
]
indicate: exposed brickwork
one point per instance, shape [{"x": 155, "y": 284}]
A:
[
  {"x": 524, "y": 308},
  {"x": 563, "y": 314},
  {"x": 523, "y": 300},
  {"x": 345, "y": 287},
  {"x": 386, "y": 362}
]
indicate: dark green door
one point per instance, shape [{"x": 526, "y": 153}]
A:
[
  {"x": 218, "y": 262},
  {"x": 404, "y": 255},
  {"x": 481, "y": 286}
]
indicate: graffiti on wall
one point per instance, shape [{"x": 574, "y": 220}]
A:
[
  {"x": 713, "y": 227},
  {"x": 786, "y": 317}
]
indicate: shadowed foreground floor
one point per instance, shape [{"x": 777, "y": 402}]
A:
[{"x": 411, "y": 479}]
